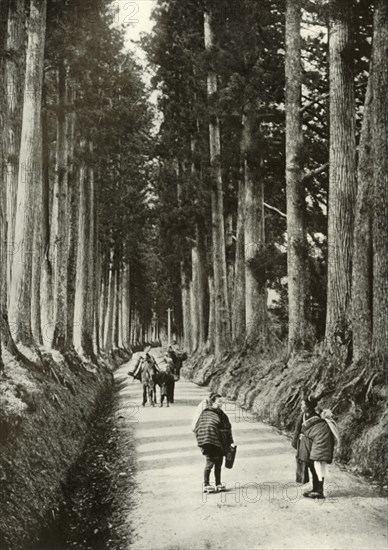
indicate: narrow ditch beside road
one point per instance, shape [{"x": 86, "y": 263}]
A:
[
  {"x": 99, "y": 492},
  {"x": 145, "y": 490}
]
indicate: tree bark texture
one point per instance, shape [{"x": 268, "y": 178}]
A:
[
  {"x": 211, "y": 324},
  {"x": 39, "y": 333},
  {"x": 108, "y": 336},
  {"x": 20, "y": 299},
  {"x": 73, "y": 212},
  {"x": 380, "y": 181},
  {"x": 199, "y": 256},
  {"x": 104, "y": 297},
  {"x": 60, "y": 224},
  {"x": 14, "y": 70},
  {"x": 92, "y": 251},
  {"x": 82, "y": 329},
  {"x": 256, "y": 317},
  {"x": 185, "y": 289},
  {"x": 202, "y": 287},
  {"x": 96, "y": 277},
  {"x": 342, "y": 183},
  {"x": 222, "y": 317},
  {"x": 296, "y": 233},
  {"x": 47, "y": 284},
  {"x": 362, "y": 245},
  {"x": 126, "y": 307},
  {"x": 194, "y": 299},
  {"x": 3, "y": 211},
  {"x": 116, "y": 309},
  {"x": 230, "y": 259},
  {"x": 238, "y": 310}
]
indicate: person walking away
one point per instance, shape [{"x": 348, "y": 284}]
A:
[
  {"x": 147, "y": 379},
  {"x": 214, "y": 436},
  {"x": 177, "y": 358},
  {"x": 314, "y": 443},
  {"x": 153, "y": 366},
  {"x": 200, "y": 408},
  {"x": 166, "y": 380},
  {"x": 170, "y": 368}
]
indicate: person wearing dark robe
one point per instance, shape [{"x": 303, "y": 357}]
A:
[
  {"x": 214, "y": 437},
  {"x": 314, "y": 443}
]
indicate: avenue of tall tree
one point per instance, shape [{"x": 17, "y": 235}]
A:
[{"x": 255, "y": 204}]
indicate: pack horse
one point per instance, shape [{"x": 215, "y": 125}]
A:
[{"x": 150, "y": 374}]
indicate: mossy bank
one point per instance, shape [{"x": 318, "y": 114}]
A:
[
  {"x": 46, "y": 406},
  {"x": 272, "y": 390}
]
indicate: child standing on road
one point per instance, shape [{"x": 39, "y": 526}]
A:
[
  {"x": 214, "y": 437},
  {"x": 314, "y": 439},
  {"x": 166, "y": 381}
]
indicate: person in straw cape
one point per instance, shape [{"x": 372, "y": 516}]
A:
[
  {"x": 315, "y": 436},
  {"x": 213, "y": 431}
]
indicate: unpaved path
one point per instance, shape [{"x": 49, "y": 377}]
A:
[{"x": 262, "y": 508}]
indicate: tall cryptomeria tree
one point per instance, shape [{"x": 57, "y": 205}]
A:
[
  {"x": 380, "y": 180},
  {"x": 296, "y": 235},
  {"x": 342, "y": 184},
  {"x": 28, "y": 174}
]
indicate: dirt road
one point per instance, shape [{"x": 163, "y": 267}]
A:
[{"x": 262, "y": 509}]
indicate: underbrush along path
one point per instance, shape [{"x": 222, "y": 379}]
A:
[{"x": 263, "y": 508}]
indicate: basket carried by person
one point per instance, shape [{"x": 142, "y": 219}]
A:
[
  {"x": 229, "y": 447},
  {"x": 230, "y": 456},
  {"x": 135, "y": 365}
]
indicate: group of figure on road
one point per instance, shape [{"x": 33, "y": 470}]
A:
[
  {"x": 152, "y": 375},
  {"x": 315, "y": 436}
]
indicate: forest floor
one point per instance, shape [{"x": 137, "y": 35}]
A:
[{"x": 262, "y": 508}]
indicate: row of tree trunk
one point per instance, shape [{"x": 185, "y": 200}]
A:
[
  {"x": 357, "y": 271},
  {"x": 58, "y": 289},
  {"x": 231, "y": 302},
  {"x": 230, "y": 306}
]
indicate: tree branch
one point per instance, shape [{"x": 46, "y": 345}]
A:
[
  {"x": 315, "y": 172},
  {"x": 275, "y": 210},
  {"x": 315, "y": 129},
  {"x": 319, "y": 9},
  {"x": 313, "y": 102},
  {"x": 321, "y": 97}
]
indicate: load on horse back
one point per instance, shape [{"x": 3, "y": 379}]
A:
[
  {"x": 136, "y": 365},
  {"x": 177, "y": 357},
  {"x": 145, "y": 369}
]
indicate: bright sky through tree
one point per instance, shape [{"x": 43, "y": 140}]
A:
[{"x": 136, "y": 17}]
